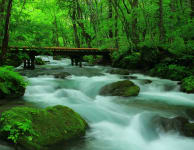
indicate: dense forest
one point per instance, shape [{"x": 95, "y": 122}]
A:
[
  {"x": 124, "y": 24},
  {"x": 151, "y": 64}
]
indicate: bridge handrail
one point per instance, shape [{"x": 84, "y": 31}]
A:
[{"x": 58, "y": 48}]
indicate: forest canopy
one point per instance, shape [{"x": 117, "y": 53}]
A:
[{"x": 123, "y": 24}]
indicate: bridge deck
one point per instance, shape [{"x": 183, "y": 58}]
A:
[{"x": 76, "y": 54}]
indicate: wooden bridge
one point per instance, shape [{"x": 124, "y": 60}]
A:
[{"x": 75, "y": 54}]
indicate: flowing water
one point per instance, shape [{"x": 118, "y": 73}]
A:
[{"x": 115, "y": 123}]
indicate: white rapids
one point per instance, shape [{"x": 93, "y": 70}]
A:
[{"x": 113, "y": 125}]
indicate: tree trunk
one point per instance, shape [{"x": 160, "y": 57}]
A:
[
  {"x": 2, "y": 9},
  {"x": 160, "y": 23},
  {"x": 87, "y": 37},
  {"x": 116, "y": 28},
  {"x": 77, "y": 42},
  {"x": 56, "y": 36},
  {"x": 192, "y": 8},
  {"x": 110, "y": 12},
  {"x": 135, "y": 37},
  {"x": 6, "y": 32}
]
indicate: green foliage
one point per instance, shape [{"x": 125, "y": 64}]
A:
[
  {"x": 187, "y": 84},
  {"x": 39, "y": 61},
  {"x": 131, "y": 61},
  {"x": 89, "y": 59},
  {"x": 14, "y": 128},
  {"x": 11, "y": 82},
  {"x": 172, "y": 71}
]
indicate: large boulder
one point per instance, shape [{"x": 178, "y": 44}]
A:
[
  {"x": 34, "y": 128},
  {"x": 12, "y": 84},
  {"x": 187, "y": 84},
  {"x": 124, "y": 88}
]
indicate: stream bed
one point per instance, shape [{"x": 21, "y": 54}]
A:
[{"x": 116, "y": 123}]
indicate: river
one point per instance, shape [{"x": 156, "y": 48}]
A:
[{"x": 115, "y": 123}]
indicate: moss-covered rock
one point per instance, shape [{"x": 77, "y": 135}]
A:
[
  {"x": 39, "y": 61},
  {"x": 187, "y": 84},
  {"x": 12, "y": 84},
  {"x": 38, "y": 129},
  {"x": 124, "y": 88}
]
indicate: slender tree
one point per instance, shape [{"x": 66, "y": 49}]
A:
[{"x": 6, "y": 31}]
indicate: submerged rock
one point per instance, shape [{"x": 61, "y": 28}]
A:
[
  {"x": 38, "y": 129},
  {"x": 174, "y": 124},
  {"x": 145, "y": 81},
  {"x": 177, "y": 124},
  {"x": 119, "y": 71},
  {"x": 128, "y": 77},
  {"x": 124, "y": 88},
  {"x": 62, "y": 75},
  {"x": 187, "y": 84}
]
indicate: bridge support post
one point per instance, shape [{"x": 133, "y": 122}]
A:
[
  {"x": 76, "y": 60},
  {"x": 72, "y": 61},
  {"x": 32, "y": 59},
  {"x": 30, "y": 63},
  {"x": 80, "y": 61},
  {"x": 106, "y": 59},
  {"x": 25, "y": 63}
]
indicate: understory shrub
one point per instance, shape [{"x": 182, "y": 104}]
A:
[
  {"x": 39, "y": 61},
  {"x": 187, "y": 84},
  {"x": 12, "y": 84},
  {"x": 172, "y": 71},
  {"x": 131, "y": 61}
]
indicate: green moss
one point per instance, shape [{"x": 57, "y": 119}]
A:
[
  {"x": 121, "y": 88},
  {"x": 132, "y": 91},
  {"x": 12, "y": 84},
  {"x": 38, "y": 128},
  {"x": 187, "y": 84}
]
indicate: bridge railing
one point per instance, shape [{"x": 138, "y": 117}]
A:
[{"x": 25, "y": 48}]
